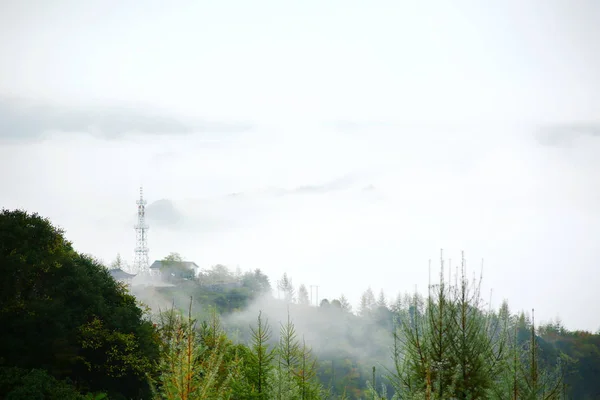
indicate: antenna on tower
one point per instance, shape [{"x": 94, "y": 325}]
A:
[{"x": 141, "y": 263}]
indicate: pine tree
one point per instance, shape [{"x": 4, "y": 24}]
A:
[
  {"x": 537, "y": 383},
  {"x": 520, "y": 376},
  {"x": 286, "y": 286},
  {"x": 118, "y": 262},
  {"x": 477, "y": 355},
  {"x": 309, "y": 386},
  {"x": 260, "y": 368},
  {"x": 345, "y": 304},
  {"x": 398, "y": 305},
  {"x": 411, "y": 377},
  {"x": 214, "y": 338},
  {"x": 288, "y": 353},
  {"x": 367, "y": 302},
  {"x": 440, "y": 336},
  {"x": 449, "y": 347},
  {"x": 303, "y": 295},
  {"x": 381, "y": 301},
  {"x": 188, "y": 370},
  {"x": 373, "y": 393},
  {"x": 370, "y": 297}
]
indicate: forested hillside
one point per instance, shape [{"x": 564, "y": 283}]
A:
[{"x": 68, "y": 330}]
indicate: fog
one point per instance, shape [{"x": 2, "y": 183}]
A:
[
  {"x": 383, "y": 202},
  {"x": 327, "y": 331},
  {"x": 344, "y": 144}
]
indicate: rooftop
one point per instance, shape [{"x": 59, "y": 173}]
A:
[
  {"x": 119, "y": 274},
  {"x": 187, "y": 264}
]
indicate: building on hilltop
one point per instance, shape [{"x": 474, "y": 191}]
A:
[{"x": 177, "y": 270}]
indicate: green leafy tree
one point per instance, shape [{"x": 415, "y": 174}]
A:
[
  {"x": 335, "y": 303},
  {"x": 93, "y": 330},
  {"x": 27, "y": 384},
  {"x": 174, "y": 269},
  {"x": 173, "y": 257},
  {"x": 257, "y": 282},
  {"x": 217, "y": 274}
]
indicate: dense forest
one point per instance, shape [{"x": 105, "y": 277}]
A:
[{"x": 68, "y": 330}]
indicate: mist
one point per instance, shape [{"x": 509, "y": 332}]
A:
[
  {"x": 342, "y": 144},
  {"x": 328, "y": 331},
  {"x": 384, "y": 201}
]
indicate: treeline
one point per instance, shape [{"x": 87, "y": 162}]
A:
[
  {"x": 368, "y": 331},
  {"x": 69, "y": 331}
]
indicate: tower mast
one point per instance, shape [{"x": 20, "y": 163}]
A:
[{"x": 141, "y": 263}]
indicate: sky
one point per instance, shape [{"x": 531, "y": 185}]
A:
[{"x": 342, "y": 142}]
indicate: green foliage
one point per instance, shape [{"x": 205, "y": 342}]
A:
[
  {"x": 33, "y": 384},
  {"x": 118, "y": 348},
  {"x": 306, "y": 375},
  {"x": 256, "y": 282},
  {"x": 218, "y": 274},
  {"x": 96, "y": 396},
  {"x": 69, "y": 331},
  {"x": 219, "y": 288},
  {"x": 522, "y": 375},
  {"x": 118, "y": 263},
  {"x": 190, "y": 367},
  {"x": 285, "y": 386},
  {"x": 174, "y": 270},
  {"x": 295, "y": 374},
  {"x": 259, "y": 365},
  {"x": 288, "y": 352},
  {"x": 173, "y": 257},
  {"x": 373, "y": 393},
  {"x": 580, "y": 362},
  {"x": 93, "y": 331},
  {"x": 450, "y": 348}
]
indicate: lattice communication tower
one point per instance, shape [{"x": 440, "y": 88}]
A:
[{"x": 141, "y": 263}]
